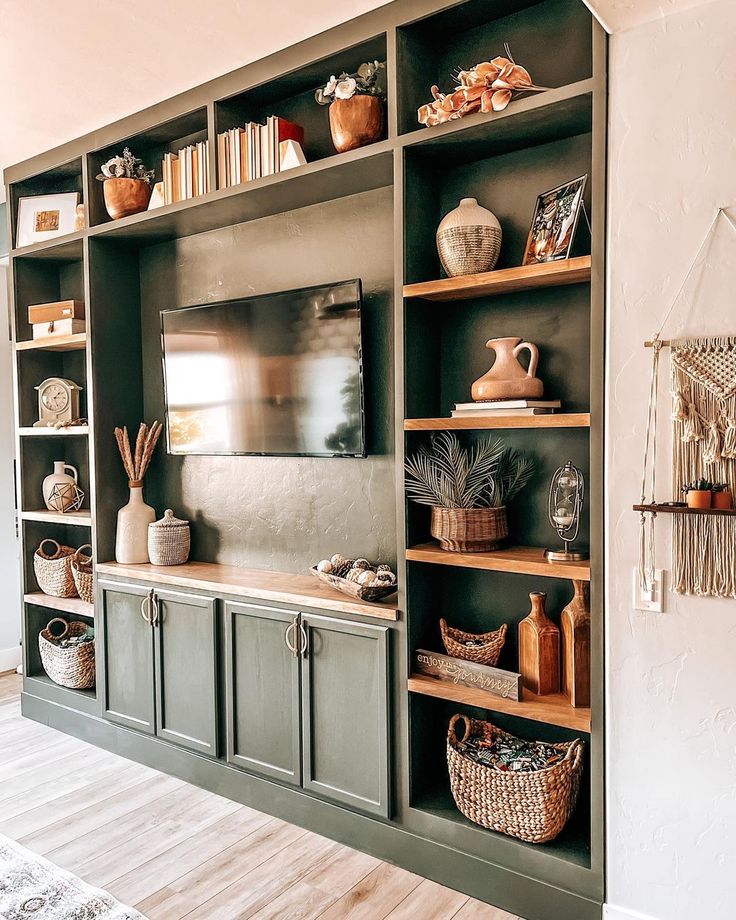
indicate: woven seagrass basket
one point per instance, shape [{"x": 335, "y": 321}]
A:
[
  {"x": 169, "y": 540},
  {"x": 468, "y": 250},
  {"x": 72, "y": 667},
  {"x": 82, "y": 573},
  {"x": 469, "y": 530},
  {"x": 533, "y": 806},
  {"x": 54, "y": 569},
  {"x": 488, "y": 653}
]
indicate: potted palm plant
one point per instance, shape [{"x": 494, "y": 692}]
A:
[
  {"x": 467, "y": 489},
  {"x": 126, "y": 185}
]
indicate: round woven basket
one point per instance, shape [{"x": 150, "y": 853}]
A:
[
  {"x": 72, "y": 667},
  {"x": 82, "y": 573},
  {"x": 169, "y": 540},
  {"x": 488, "y": 653},
  {"x": 54, "y": 569},
  {"x": 469, "y": 530},
  {"x": 533, "y": 806}
]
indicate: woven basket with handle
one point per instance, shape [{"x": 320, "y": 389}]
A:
[
  {"x": 469, "y": 530},
  {"x": 52, "y": 564},
  {"x": 487, "y": 653},
  {"x": 73, "y": 666},
  {"x": 533, "y": 806},
  {"x": 82, "y": 573}
]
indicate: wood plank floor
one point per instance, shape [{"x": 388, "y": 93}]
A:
[{"x": 173, "y": 850}]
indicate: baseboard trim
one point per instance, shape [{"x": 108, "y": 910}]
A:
[
  {"x": 9, "y": 659},
  {"x": 611, "y": 912}
]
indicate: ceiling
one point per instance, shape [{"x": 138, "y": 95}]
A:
[{"x": 66, "y": 68}]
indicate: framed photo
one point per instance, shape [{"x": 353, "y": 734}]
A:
[
  {"x": 554, "y": 223},
  {"x": 45, "y": 216}
]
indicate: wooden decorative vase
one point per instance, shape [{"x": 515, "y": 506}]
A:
[
  {"x": 468, "y": 239},
  {"x": 539, "y": 649},
  {"x": 126, "y": 196},
  {"x": 507, "y": 378},
  {"x": 469, "y": 530},
  {"x": 575, "y": 628},
  {"x": 356, "y": 122}
]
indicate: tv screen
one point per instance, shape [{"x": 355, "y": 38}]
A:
[{"x": 278, "y": 374}]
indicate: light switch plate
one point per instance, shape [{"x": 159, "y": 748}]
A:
[{"x": 651, "y": 602}]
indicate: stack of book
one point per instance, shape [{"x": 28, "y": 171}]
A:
[
  {"x": 505, "y": 407},
  {"x": 255, "y": 150},
  {"x": 186, "y": 173}
]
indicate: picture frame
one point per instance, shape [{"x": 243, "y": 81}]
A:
[
  {"x": 42, "y": 217},
  {"x": 555, "y": 222}
]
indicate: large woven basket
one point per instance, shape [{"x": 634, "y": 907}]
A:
[
  {"x": 82, "y": 574},
  {"x": 534, "y": 806},
  {"x": 488, "y": 653},
  {"x": 469, "y": 530},
  {"x": 72, "y": 667},
  {"x": 54, "y": 569}
]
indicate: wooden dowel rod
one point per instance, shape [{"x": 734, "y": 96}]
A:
[{"x": 664, "y": 342}]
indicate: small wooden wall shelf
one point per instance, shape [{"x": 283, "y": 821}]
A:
[
  {"x": 73, "y": 605},
  {"x": 553, "y": 709},
  {"x": 55, "y": 343},
  {"x": 523, "y": 560},
  {"x": 681, "y": 509},
  {"x": 562, "y": 420},
  {"x": 503, "y": 281},
  {"x": 53, "y": 432},
  {"x": 80, "y": 518}
]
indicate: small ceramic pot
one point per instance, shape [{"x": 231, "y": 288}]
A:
[
  {"x": 356, "y": 122},
  {"x": 469, "y": 239},
  {"x": 723, "y": 501},
  {"x": 699, "y": 498},
  {"x": 126, "y": 196}
]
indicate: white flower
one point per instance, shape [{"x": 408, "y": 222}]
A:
[
  {"x": 330, "y": 88},
  {"x": 345, "y": 89}
]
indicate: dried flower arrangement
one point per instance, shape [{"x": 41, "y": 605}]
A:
[
  {"x": 364, "y": 82},
  {"x": 136, "y": 464},
  {"x": 487, "y": 87},
  {"x": 126, "y": 166}
]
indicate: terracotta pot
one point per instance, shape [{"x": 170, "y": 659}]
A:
[
  {"x": 699, "y": 498},
  {"x": 722, "y": 500},
  {"x": 126, "y": 196},
  {"x": 507, "y": 379},
  {"x": 356, "y": 122},
  {"x": 469, "y": 530}
]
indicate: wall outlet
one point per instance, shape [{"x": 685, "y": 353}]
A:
[{"x": 652, "y": 601}]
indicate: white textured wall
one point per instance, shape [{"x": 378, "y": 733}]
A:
[{"x": 672, "y": 683}]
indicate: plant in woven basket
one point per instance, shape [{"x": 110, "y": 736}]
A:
[
  {"x": 131, "y": 542},
  {"x": 467, "y": 488}
]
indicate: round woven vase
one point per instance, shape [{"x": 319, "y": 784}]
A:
[
  {"x": 469, "y": 239},
  {"x": 469, "y": 530}
]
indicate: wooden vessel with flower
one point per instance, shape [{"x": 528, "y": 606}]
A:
[{"x": 356, "y": 106}]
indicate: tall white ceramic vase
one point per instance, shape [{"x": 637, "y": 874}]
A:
[{"x": 131, "y": 539}]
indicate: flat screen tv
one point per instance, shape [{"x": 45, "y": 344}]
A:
[{"x": 278, "y": 374}]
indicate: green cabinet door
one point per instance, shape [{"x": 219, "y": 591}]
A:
[
  {"x": 262, "y": 690},
  {"x": 125, "y": 669},
  {"x": 345, "y": 718},
  {"x": 186, "y": 670}
]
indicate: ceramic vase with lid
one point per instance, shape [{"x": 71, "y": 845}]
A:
[
  {"x": 507, "y": 378},
  {"x": 60, "y": 490},
  {"x": 169, "y": 540},
  {"x": 468, "y": 239},
  {"x": 131, "y": 538}
]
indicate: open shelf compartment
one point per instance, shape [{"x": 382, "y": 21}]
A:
[{"x": 66, "y": 177}]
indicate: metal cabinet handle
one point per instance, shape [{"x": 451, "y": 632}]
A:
[
  {"x": 156, "y": 618},
  {"x": 145, "y": 609},
  {"x": 292, "y": 648},
  {"x": 305, "y": 639}
]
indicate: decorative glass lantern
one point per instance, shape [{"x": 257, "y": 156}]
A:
[{"x": 564, "y": 506}]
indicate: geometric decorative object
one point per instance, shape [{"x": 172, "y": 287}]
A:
[{"x": 66, "y": 496}]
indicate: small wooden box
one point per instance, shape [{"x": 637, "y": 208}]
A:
[
  {"x": 58, "y": 328},
  {"x": 53, "y": 312}
]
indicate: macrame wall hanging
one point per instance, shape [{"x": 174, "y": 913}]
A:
[{"x": 703, "y": 388}]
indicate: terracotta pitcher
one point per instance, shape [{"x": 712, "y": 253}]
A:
[{"x": 507, "y": 378}]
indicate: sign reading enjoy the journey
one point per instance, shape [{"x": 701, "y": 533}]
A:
[{"x": 506, "y": 684}]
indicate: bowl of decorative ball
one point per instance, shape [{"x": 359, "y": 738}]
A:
[{"x": 356, "y": 577}]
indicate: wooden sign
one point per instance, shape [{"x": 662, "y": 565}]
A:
[{"x": 506, "y": 684}]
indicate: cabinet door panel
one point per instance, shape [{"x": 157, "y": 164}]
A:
[
  {"x": 127, "y": 665},
  {"x": 345, "y": 712},
  {"x": 186, "y": 671},
  {"x": 262, "y": 692}
]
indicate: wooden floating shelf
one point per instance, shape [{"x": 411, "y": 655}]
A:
[
  {"x": 503, "y": 281},
  {"x": 79, "y": 518},
  {"x": 562, "y": 420},
  {"x": 682, "y": 509},
  {"x": 55, "y": 343},
  {"x": 521, "y": 560},
  {"x": 74, "y": 605},
  {"x": 53, "y": 432},
  {"x": 553, "y": 709}
]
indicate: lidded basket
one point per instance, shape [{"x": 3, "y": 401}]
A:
[{"x": 169, "y": 540}]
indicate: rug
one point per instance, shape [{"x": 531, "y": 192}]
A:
[{"x": 31, "y": 888}]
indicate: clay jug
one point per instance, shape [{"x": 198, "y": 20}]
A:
[
  {"x": 507, "y": 378},
  {"x": 60, "y": 490}
]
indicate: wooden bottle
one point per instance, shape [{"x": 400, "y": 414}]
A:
[
  {"x": 539, "y": 649},
  {"x": 575, "y": 625}
]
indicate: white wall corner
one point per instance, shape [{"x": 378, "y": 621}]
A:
[
  {"x": 9, "y": 659},
  {"x": 611, "y": 912}
]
